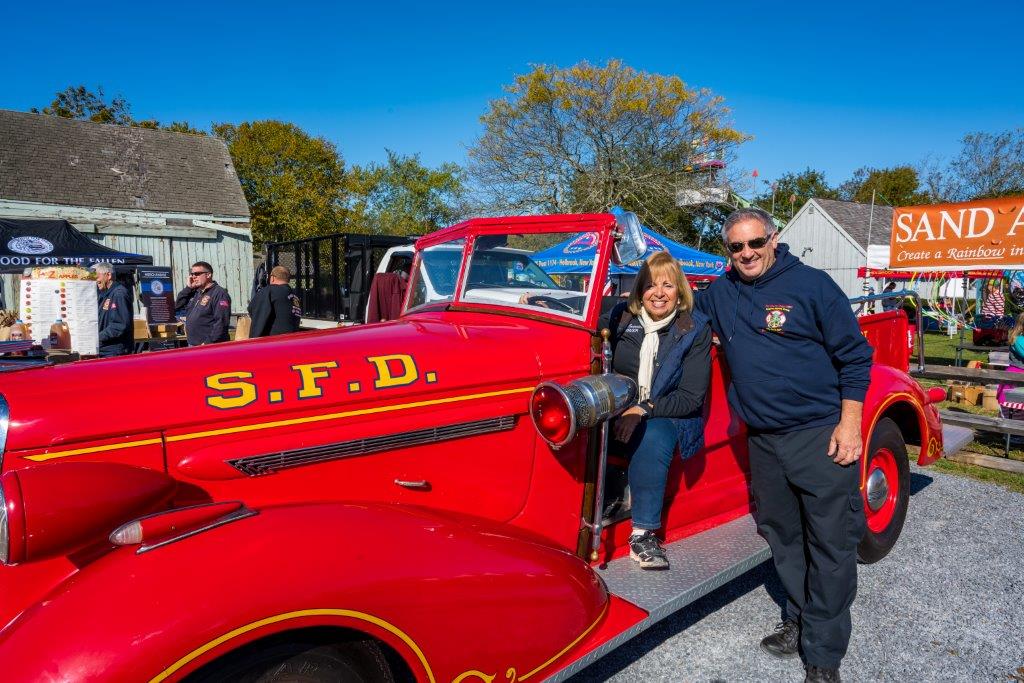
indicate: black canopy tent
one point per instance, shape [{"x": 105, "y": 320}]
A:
[{"x": 29, "y": 243}]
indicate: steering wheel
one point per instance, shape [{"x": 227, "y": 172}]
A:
[{"x": 551, "y": 302}]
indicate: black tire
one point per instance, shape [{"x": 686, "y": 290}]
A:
[
  {"x": 886, "y": 452},
  {"x": 360, "y": 661}
]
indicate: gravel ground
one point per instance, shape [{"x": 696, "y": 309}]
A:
[{"x": 947, "y": 604}]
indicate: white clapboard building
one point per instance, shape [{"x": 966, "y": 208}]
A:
[
  {"x": 835, "y": 236},
  {"x": 172, "y": 196}
]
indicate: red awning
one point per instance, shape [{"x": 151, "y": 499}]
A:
[{"x": 881, "y": 273}]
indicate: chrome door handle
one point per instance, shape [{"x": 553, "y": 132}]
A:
[{"x": 420, "y": 484}]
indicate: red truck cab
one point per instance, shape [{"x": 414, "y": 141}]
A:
[{"x": 414, "y": 498}]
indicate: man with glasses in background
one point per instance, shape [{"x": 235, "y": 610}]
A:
[
  {"x": 206, "y": 306},
  {"x": 800, "y": 369}
]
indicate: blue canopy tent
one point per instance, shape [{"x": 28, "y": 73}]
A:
[{"x": 575, "y": 256}]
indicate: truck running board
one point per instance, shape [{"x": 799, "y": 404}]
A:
[
  {"x": 699, "y": 565},
  {"x": 955, "y": 437}
]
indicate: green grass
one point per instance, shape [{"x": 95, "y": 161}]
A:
[
  {"x": 940, "y": 349},
  {"x": 985, "y": 443},
  {"x": 1009, "y": 480}
]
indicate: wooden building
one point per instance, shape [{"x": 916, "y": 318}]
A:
[
  {"x": 173, "y": 196},
  {"x": 835, "y": 236}
]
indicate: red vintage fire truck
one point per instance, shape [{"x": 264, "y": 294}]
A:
[{"x": 421, "y": 498}]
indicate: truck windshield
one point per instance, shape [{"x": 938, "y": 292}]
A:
[
  {"x": 435, "y": 279},
  {"x": 503, "y": 270}
]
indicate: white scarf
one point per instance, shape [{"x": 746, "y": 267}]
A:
[{"x": 649, "y": 350}]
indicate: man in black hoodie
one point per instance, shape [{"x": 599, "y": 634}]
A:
[{"x": 800, "y": 370}]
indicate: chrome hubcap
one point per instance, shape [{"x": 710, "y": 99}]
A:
[{"x": 878, "y": 490}]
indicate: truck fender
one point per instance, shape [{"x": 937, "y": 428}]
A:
[
  {"x": 450, "y": 594},
  {"x": 894, "y": 394}
]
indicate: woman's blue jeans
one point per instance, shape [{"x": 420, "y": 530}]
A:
[{"x": 650, "y": 450}]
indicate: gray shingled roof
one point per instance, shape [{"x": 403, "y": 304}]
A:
[
  {"x": 52, "y": 160},
  {"x": 854, "y": 218}
]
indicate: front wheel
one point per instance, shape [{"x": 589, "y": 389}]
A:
[
  {"x": 885, "y": 490},
  {"x": 300, "y": 662}
]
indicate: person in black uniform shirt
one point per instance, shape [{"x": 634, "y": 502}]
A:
[
  {"x": 206, "y": 305},
  {"x": 660, "y": 341},
  {"x": 275, "y": 309},
  {"x": 115, "y": 313}
]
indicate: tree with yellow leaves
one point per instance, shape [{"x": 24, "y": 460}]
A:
[
  {"x": 293, "y": 181},
  {"x": 587, "y": 137}
]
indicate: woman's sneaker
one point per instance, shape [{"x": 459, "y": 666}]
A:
[{"x": 646, "y": 549}]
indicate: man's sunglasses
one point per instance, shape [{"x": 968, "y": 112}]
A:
[
  {"x": 756, "y": 243},
  {"x": 197, "y": 273}
]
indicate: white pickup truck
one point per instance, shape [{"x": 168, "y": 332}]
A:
[{"x": 499, "y": 274}]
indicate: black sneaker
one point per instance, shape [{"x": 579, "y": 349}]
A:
[
  {"x": 785, "y": 642},
  {"x": 817, "y": 674},
  {"x": 647, "y": 551}
]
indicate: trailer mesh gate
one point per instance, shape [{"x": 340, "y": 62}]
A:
[{"x": 332, "y": 274}]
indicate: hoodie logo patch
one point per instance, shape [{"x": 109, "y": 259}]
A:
[{"x": 775, "y": 317}]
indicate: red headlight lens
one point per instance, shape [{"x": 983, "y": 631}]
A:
[{"x": 552, "y": 415}]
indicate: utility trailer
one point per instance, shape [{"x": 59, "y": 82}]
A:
[{"x": 332, "y": 274}]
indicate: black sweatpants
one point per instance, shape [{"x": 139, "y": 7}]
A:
[{"x": 809, "y": 509}]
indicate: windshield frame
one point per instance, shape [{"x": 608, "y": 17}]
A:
[{"x": 601, "y": 224}]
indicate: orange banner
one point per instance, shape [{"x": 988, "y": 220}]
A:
[{"x": 988, "y": 233}]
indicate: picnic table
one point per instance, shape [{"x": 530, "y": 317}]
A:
[
  {"x": 1007, "y": 423},
  {"x": 973, "y": 375},
  {"x": 975, "y": 347}
]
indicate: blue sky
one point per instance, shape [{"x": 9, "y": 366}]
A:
[{"x": 834, "y": 86}]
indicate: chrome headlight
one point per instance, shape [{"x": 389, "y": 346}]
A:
[
  {"x": 5, "y": 536},
  {"x": 5, "y": 415},
  {"x": 559, "y": 411},
  {"x": 5, "y": 539}
]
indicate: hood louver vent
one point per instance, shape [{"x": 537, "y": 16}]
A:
[{"x": 258, "y": 465}]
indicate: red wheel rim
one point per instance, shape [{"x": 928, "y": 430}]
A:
[{"x": 882, "y": 465}]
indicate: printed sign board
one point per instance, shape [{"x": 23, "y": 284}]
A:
[
  {"x": 987, "y": 233},
  {"x": 157, "y": 293},
  {"x": 45, "y": 301}
]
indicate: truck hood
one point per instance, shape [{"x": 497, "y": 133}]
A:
[{"x": 425, "y": 354}]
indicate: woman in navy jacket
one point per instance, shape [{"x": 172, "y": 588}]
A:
[{"x": 659, "y": 340}]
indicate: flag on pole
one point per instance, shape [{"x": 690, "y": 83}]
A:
[{"x": 755, "y": 173}]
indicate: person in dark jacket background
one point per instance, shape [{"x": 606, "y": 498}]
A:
[
  {"x": 274, "y": 309},
  {"x": 800, "y": 369},
  {"x": 891, "y": 303},
  {"x": 206, "y": 306},
  {"x": 116, "y": 327},
  {"x": 662, "y": 343}
]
